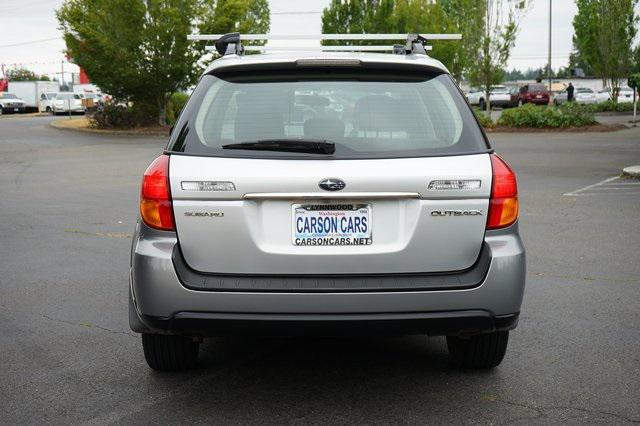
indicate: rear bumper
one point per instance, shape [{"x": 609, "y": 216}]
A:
[
  {"x": 543, "y": 101},
  {"x": 65, "y": 109},
  {"x": 13, "y": 109},
  {"x": 431, "y": 323},
  {"x": 165, "y": 305},
  {"x": 468, "y": 278},
  {"x": 501, "y": 102}
]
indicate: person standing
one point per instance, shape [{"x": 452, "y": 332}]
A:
[{"x": 570, "y": 93}]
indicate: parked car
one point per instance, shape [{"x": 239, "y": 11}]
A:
[
  {"x": 30, "y": 91},
  {"x": 46, "y": 102},
  {"x": 581, "y": 95},
  {"x": 66, "y": 102},
  {"x": 625, "y": 95},
  {"x": 251, "y": 223},
  {"x": 93, "y": 100},
  {"x": 533, "y": 93},
  {"x": 584, "y": 95},
  {"x": 474, "y": 95},
  {"x": 514, "y": 95},
  {"x": 10, "y": 103},
  {"x": 603, "y": 95},
  {"x": 560, "y": 97},
  {"x": 499, "y": 96}
]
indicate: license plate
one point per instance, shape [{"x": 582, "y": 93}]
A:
[
  {"x": 16, "y": 109},
  {"x": 331, "y": 224},
  {"x": 538, "y": 96}
]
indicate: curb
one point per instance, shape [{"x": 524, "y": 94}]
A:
[
  {"x": 595, "y": 128},
  {"x": 60, "y": 125},
  {"x": 631, "y": 171},
  {"x": 25, "y": 115}
]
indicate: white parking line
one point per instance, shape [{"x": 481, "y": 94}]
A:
[{"x": 613, "y": 184}]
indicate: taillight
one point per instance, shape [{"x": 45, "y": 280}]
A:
[
  {"x": 156, "y": 208},
  {"x": 503, "y": 206}
]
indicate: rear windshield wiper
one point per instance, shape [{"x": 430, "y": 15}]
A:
[{"x": 313, "y": 146}]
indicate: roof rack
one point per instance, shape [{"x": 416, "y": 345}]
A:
[
  {"x": 231, "y": 44},
  {"x": 342, "y": 48}
]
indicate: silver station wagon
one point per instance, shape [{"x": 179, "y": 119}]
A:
[{"x": 327, "y": 192}]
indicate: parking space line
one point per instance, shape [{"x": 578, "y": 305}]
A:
[
  {"x": 608, "y": 188},
  {"x": 614, "y": 184},
  {"x": 586, "y": 188}
]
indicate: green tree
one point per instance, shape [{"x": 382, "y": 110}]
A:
[
  {"x": 502, "y": 19},
  {"x": 577, "y": 62},
  {"x": 412, "y": 16},
  {"x": 513, "y": 75},
  {"x": 635, "y": 62},
  {"x": 23, "y": 74},
  {"x": 467, "y": 18},
  {"x": 603, "y": 34},
  {"x": 137, "y": 50}
]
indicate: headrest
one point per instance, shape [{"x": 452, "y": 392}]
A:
[{"x": 330, "y": 128}]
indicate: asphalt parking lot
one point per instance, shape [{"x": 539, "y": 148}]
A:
[{"x": 68, "y": 202}]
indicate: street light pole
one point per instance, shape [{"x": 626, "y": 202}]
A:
[{"x": 549, "y": 64}]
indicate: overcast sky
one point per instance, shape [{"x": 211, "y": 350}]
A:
[{"x": 30, "y": 37}]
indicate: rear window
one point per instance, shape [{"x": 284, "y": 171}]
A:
[
  {"x": 373, "y": 115},
  {"x": 537, "y": 88}
]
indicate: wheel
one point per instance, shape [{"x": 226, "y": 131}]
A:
[
  {"x": 520, "y": 102},
  {"x": 1, "y": 111},
  {"x": 556, "y": 103},
  {"x": 48, "y": 110},
  {"x": 170, "y": 353},
  {"x": 482, "y": 105},
  {"x": 483, "y": 351}
]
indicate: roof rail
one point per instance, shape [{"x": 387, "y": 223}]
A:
[
  {"x": 227, "y": 44},
  {"x": 341, "y": 48}
]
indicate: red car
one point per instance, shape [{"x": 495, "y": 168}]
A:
[{"x": 534, "y": 93}]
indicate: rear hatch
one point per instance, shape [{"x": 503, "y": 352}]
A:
[
  {"x": 405, "y": 190},
  {"x": 538, "y": 91}
]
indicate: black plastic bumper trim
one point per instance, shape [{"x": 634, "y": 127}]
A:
[
  {"x": 458, "y": 280},
  {"x": 210, "y": 324}
]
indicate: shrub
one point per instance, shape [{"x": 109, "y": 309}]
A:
[
  {"x": 610, "y": 106},
  {"x": 529, "y": 115},
  {"x": 119, "y": 116},
  {"x": 176, "y": 103},
  {"x": 484, "y": 119}
]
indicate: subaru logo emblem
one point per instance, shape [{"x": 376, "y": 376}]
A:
[{"x": 332, "y": 184}]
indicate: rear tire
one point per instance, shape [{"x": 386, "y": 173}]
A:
[
  {"x": 170, "y": 353},
  {"x": 481, "y": 352},
  {"x": 482, "y": 105}
]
